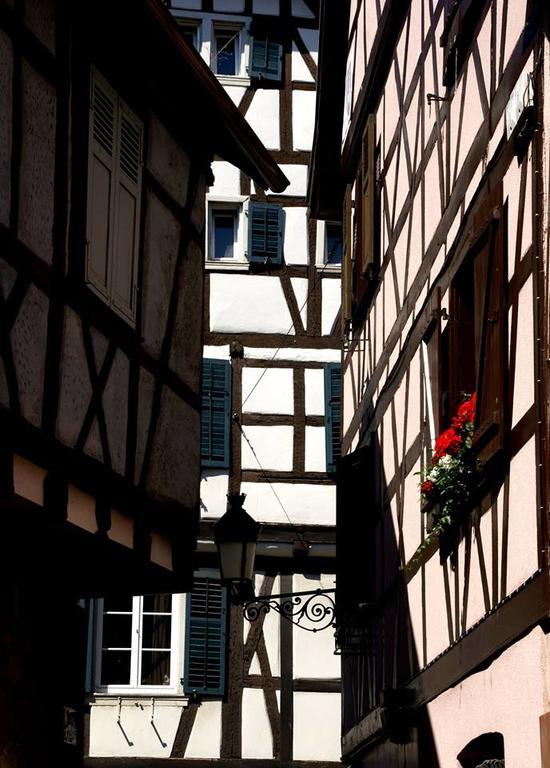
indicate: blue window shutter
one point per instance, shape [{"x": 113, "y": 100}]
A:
[
  {"x": 215, "y": 413},
  {"x": 205, "y": 638},
  {"x": 265, "y": 233},
  {"x": 266, "y": 60},
  {"x": 333, "y": 413}
]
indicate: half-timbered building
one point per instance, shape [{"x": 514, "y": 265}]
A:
[
  {"x": 431, "y": 145},
  {"x": 102, "y": 202},
  {"x": 263, "y": 691}
]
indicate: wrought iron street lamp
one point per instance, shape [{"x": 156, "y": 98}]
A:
[{"x": 236, "y": 535}]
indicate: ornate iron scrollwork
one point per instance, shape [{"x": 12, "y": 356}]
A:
[{"x": 312, "y": 611}]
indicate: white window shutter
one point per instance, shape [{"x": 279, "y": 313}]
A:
[
  {"x": 103, "y": 110},
  {"x": 127, "y": 203}
]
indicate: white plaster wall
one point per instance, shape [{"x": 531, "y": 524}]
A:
[
  {"x": 268, "y": 390},
  {"x": 507, "y": 697},
  {"x": 304, "y": 503},
  {"x": 220, "y": 352},
  {"x": 295, "y": 236},
  {"x": 297, "y": 176},
  {"x": 240, "y": 303},
  {"x": 311, "y": 41},
  {"x": 331, "y": 304},
  {"x": 298, "y": 355},
  {"x": 524, "y": 373},
  {"x": 263, "y": 117},
  {"x": 522, "y": 558},
  {"x": 266, "y": 7},
  {"x": 108, "y": 738},
  {"x": 300, "y": 72},
  {"x": 227, "y": 179},
  {"x": 214, "y": 487},
  {"x": 313, "y": 654},
  {"x": 300, "y": 287},
  {"x": 316, "y": 726},
  {"x": 272, "y": 448},
  {"x": 271, "y": 630},
  {"x": 257, "y": 740},
  {"x": 316, "y": 455},
  {"x": 315, "y": 391},
  {"x": 207, "y": 731},
  {"x": 235, "y": 6},
  {"x": 303, "y": 118},
  {"x": 189, "y": 5},
  {"x": 235, "y": 93},
  {"x": 300, "y": 9}
]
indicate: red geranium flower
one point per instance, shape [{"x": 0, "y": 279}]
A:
[
  {"x": 466, "y": 413},
  {"x": 447, "y": 442},
  {"x": 427, "y": 487}
]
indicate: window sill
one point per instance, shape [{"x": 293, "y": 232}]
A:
[
  {"x": 227, "y": 266},
  {"x": 332, "y": 269},
  {"x": 234, "y": 80},
  {"x": 168, "y": 699}
]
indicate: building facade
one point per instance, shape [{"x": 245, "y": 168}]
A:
[
  {"x": 101, "y": 256},
  {"x": 264, "y": 690},
  {"x": 436, "y": 161}
]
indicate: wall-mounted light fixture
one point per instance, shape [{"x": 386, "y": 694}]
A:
[{"x": 236, "y": 535}]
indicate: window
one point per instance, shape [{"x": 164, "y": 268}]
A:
[
  {"x": 205, "y": 638},
  {"x": 216, "y": 413},
  {"x": 224, "y": 233},
  {"x": 226, "y": 50},
  {"x": 333, "y": 243},
  {"x": 189, "y": 30},
  {"x": 265, "y": 233},
  {"x": 460, "y": 21},
  {"x": 333, "y": 411},
  {"x": 136, "y": 640},
  {"x": 114, "y": 191},
  {"x": 226, "y": 225},
  {"x": 266, "y": 60}
]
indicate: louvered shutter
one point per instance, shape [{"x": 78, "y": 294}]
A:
[
  {"x": 101, "y": 170},
  {"x": 368, "y": 174},
  {"x": 265, "y": 233},
  {"x": 205, "y": 638},
  {"x": 333, "y": 413},
  {"x": 266, "y": 60},
  {"x": 216, "y": 413},
  {"x": 490, "y": 332},
  {"x": 127, "y": 201},
  {"x": 347, "y": 259}
]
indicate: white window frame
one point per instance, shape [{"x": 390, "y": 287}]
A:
[
  {"x": 176, "y": 652},
  {"x": 207, "y": 40},
  {"x": 107, "y": 294},
  {"x": 239, "y": 206},
  {"x": 321, "y": 248},
  {"x": 197, "y": 27}
]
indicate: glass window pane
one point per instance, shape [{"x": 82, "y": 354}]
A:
[
  {"x": 155, "y": 668},
  {"x": 115, "y": 667},
  {"x": 118, "y": 603},
  {"x": 156, "y": 631},
  {"x": 157, "y": 603},
  {"x": 117, "y": 630},
  {"x": 226, "y": 60},
  {"x": 333, "y": 244},
  {"x": 224, "y": 236}
]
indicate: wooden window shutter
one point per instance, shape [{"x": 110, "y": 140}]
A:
[
  {"x": 216, "y": 413},
  {"x": 347, "y": 286},
  {"x": 127, "y": 201},
  {"x": 333, "y": 413},
  {"x": 368, "y": 182},
  {"x": 265, "y": 233},
  {"x": 266, "y": 59},
  {"x": 101, "y": 171},
  {"x": 205, "y": 638},
  {"x": 490, "y": 330}
]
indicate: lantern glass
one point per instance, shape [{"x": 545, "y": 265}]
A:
[{"x": 237, "y": 560}]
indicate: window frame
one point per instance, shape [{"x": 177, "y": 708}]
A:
[
  {"x": 238, "y": 205},
  {"x": 134, "y": 687},
  {"x": 207, "y": 42}
]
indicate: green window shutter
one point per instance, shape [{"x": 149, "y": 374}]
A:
[
  {"x": 265, "y": 233},
  {"x": 333, "y": 413},
  {"x": 205, "y": 638},
  {"x": 266, "y": 60},
  {"x": 216, "y": 413}
]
